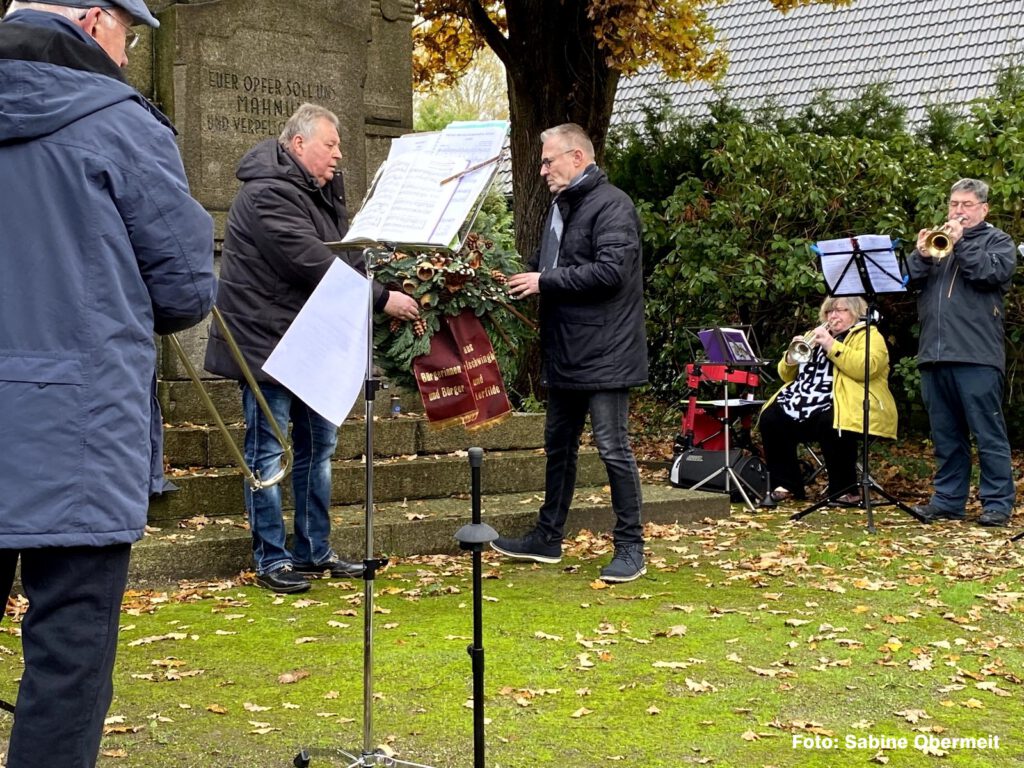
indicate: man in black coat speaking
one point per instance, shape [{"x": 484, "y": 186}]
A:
[
  {"x": 292, "y": 201},
  {"x": 588, "y": 272}
]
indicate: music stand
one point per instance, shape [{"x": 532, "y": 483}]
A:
[
  {"x": 876, "y": 271},
  {"x": 729, "y": 350},
  {"x": 479, "y": 176}
]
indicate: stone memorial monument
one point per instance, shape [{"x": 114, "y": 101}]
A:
[{"x": 229, "y": 73}]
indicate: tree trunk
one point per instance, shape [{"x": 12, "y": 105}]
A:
[{"x": 556, "y": 74}]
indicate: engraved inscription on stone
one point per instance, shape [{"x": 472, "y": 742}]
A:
[{"x": 254, "y": 103}]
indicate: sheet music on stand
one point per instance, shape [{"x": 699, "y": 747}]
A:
[
  {"x": 427, "y": 188},
  {"x": 840, "y": 271}
]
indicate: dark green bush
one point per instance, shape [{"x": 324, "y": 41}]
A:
[{"x": 731, "y": 204}]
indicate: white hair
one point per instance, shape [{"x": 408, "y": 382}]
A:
[
  {"x": 67, "y": 11},
  {"x": 303, "y": 122}
]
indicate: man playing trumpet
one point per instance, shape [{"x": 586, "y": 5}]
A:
[
  {"x": 822, "y": 400},
  {"x": 962, "y": 358}
]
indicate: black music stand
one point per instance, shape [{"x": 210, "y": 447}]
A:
[
  {"x": 368, "y": 755},
  {"x": 729, "y": 350},
  {"x": 472, "y": 537},
  {"x": 877, "y": 272}
]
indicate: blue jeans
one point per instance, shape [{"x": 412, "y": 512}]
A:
[
  {"x": 609, "y": 417},
  {"x": 313, "y": 442},
  {"x": 964, "y": 399}
]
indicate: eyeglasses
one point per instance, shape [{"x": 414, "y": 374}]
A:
[
  {"x": 131, "y": 37},
  {"x": 545, "y": 162},
  {"x": 836, "y": 309},
  {"x": 965, "y": 204}
]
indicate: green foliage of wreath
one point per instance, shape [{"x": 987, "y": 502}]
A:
[{"x": 446, "y": 284}]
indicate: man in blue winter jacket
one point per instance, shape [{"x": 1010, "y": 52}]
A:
[
  {"x": 102, "y": 247},
  {"x": 962, "y": 357}
]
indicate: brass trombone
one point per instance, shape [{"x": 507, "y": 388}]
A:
[{"x": 253, "y": 479}]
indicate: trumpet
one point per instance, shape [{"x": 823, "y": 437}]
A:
[
  {"x": 938, "y": 244},
  {"x": 799, "y": 351}
]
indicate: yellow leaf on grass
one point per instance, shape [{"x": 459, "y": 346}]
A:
[
  {"x": 700, "y": 687},
  {"x": 545, "y": 636},
  {"x": 581, "y": 712},
  {"x": 217, "y": 709},
  {"x": 913, "y": 715}
]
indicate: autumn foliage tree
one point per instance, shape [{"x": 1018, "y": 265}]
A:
[{"x": 563, "y": 60}]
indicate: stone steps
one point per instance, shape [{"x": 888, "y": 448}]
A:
[
  {"x": 421, "y": 487},
  {"x": 218, "y": 492},
  {"x": 220, "y": 547},
  {"x": 198, "y": 445}
]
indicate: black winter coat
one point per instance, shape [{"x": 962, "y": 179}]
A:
[
  {"x": 961, "y": 301},
  {"x": 591, "y": 304},
  {"x": 274, "y": 255}
]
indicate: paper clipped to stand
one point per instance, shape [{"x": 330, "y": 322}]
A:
[
  {"x": 426, "y": 189},
  {"x": 840, "y": 271},
  {"x": 322, "y": 356}
]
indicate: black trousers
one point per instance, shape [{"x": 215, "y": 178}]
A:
[
  {"x": 69, "y": 640},
  {"x": 563, "y": 426},
  {"x": 781, "y": 436}
]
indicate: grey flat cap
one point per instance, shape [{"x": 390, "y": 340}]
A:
[{"x": 137, "y": 8}]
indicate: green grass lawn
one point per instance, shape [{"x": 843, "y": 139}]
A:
[{"x": 751, "y": 642}]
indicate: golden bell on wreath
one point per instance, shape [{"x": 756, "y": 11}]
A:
[
  {"x": 428, "y": 300},
  {"x": 409, "y": 286},
  {"x": 424, "y": 271}
]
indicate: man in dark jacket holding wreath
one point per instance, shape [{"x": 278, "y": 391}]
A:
[
  {"x": 292, "y": 201},
  {"x": 588, "y": 272}
]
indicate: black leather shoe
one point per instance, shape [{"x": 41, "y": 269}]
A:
[
  {"x": 284, "y": 581},
  {"x": 932, "y": 515},
  {"x": 339, "y": 569},
  {"x": 994, "y": 519}
]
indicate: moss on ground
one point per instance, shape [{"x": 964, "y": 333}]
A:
[{"x": 747, "y": 639}]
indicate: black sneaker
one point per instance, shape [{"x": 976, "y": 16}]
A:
[
  {"x": 530, "y": 547},
  {"x": 932, "y": 514},
  {"x": 284, "y": 581},
  {"x": 993, "y": 519},
  {"x": 339, "y": 569},
  {"x": 626, "y": 565}
]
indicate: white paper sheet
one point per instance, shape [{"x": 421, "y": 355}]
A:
[
  {"x": 322, "y": 356},
  {"x": 879, "y": 258}
]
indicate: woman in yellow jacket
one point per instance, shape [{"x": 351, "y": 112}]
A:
[{"x": 822, "y": 400}]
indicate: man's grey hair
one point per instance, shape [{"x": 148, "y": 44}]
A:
[
  {"x": 61, "y": 10},
  {"x": 303, "y": 123},
  {"x": 975, "y": 187},
  {"x": 573, "y": 135}
]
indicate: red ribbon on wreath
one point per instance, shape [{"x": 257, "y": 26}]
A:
[{"x": 459, "y": 379}]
